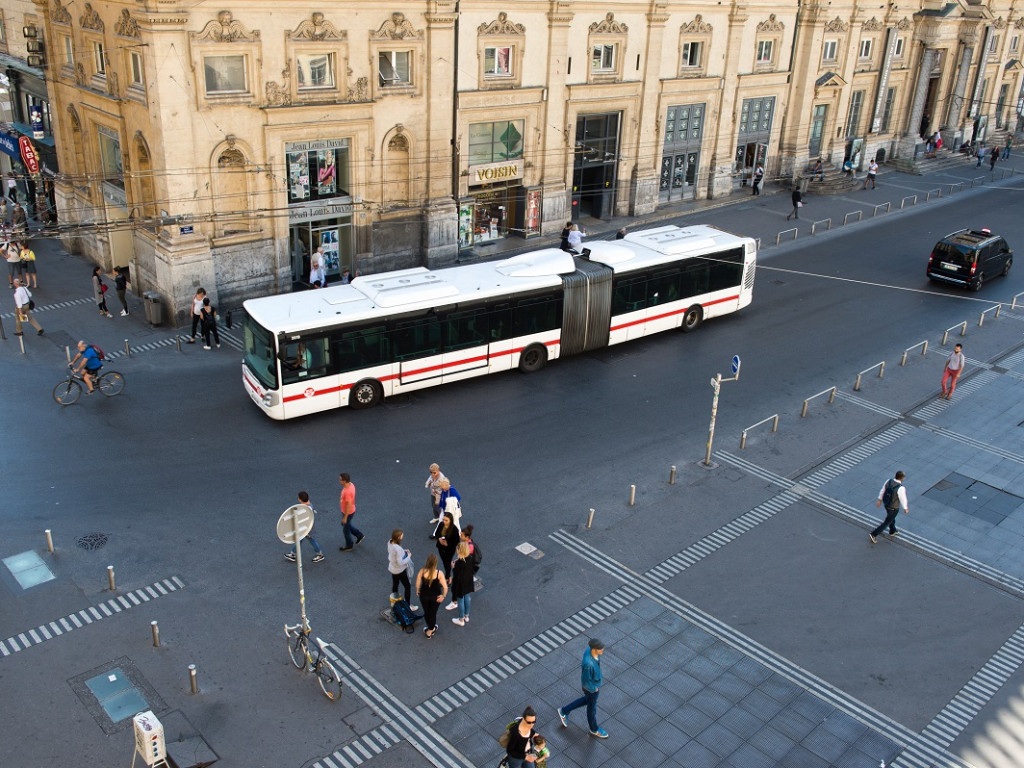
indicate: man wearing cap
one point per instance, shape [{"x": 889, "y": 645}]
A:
[{"x": 591, "y": 680}]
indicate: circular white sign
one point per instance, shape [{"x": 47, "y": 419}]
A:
[{"x": 295, "y": 522}]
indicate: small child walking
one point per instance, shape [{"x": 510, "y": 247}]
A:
[{"x": 540, "y": 751}]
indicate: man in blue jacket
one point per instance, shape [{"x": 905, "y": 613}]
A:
[{"x": 591, "y": 681}]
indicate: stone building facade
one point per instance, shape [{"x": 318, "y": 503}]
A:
[{"x": 222, "y": 145}]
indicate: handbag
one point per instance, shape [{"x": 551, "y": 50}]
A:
[
  {"x": 505, "y": 738},
  {"x": 103, "y": 287},
  {"x": 800, "y": 204},
  {"x": 409, "y": 570}
]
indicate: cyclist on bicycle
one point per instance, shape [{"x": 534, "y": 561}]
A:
[{"x": 88, "y": 364}]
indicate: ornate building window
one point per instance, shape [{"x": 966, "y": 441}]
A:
[
  {"x": 398, "y": 48},
  {"x": 500, "y": 47},
  {"x": 694, "y": 42},
  {"x": 830, "y": 51},
  {"x": 607, "y": 42},
  {"x": 318, "y": 54},
  {"x": 127, "y": 28},
  {"x": 769, "y": 41},
  {"x": 225, "y": 53}
]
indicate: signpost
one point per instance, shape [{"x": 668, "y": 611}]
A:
[
  {"x": 716, "y": 385},
  {"x": 294, "y": 524}
]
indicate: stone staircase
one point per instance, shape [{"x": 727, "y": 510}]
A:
[
  {"x": 836, "y": 182},
  {"x": 942, "y": 160}
]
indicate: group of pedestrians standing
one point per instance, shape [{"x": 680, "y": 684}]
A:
[{"x": 204, "y": 317}]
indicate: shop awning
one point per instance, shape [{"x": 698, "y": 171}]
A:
[{"x": 26, "y": 130}]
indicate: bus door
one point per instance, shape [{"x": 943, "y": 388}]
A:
[
  {"x": 466, "y": 349},
  {"x": 586, "y": 313},
  {"x": 306, "y": 386},
  {"x": 418, "y": 351}
]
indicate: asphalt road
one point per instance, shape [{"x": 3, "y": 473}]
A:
[{"x": 187, "y": 478}]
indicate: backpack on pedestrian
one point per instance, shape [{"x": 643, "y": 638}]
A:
[
  {"x": 403, "y": 616},
  {"x": 100, "y": 354},
  {"x": 476, "y": 557},
  {"x": 890, "y": 497}
]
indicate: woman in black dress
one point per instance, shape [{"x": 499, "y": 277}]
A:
[
  {"x": 447, "y": 535},
  {"x": 431, "y": 586},
  {"x": 517, "y": 752}
]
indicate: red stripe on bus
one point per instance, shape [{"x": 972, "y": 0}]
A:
[{"x": 643, "y": 320}]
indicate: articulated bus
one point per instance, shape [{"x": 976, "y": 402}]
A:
[{"x": 395, "y": 332}]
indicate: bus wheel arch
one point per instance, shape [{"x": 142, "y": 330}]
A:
[
  {"x": 692, "y": 318},
  {"x": 365, "y": 394},
  {"x": 533, "y": 358}
]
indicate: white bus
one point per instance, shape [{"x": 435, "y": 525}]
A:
[{"x": 396, "y": 332}]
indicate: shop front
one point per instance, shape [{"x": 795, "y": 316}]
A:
[
  {"x": 498, "y": 206},
  {"x": 754, "y": 135},
  {"x": 319, "y": 208}
]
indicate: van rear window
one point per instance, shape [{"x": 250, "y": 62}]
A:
[{"x": 955, "y": 254}]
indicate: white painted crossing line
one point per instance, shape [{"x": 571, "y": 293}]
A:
[
  {"x": 42, "y": 633},
  {"x": 974, "y": 443},
  {"x": 971, "y": 385},
  {"x": 51, "y": 307},
  {"x": 889, "y": 412}
]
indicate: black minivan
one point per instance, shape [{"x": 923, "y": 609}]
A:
[{"x": 969, "y": 257}]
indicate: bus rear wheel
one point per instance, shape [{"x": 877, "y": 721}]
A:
[
  {"x": 533, "y": 358},
  {"x": 692, "y": 319},
  {"x": 365, "y": 394}
]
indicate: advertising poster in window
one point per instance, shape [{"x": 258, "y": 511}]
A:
[
  {"x": 298, "y": 176},
  {"x": 466, "y": 213},
  {"x": 327, "y": 175},
  {"x": 531, "y": 224},
  {"x": 329, "y": 241}
]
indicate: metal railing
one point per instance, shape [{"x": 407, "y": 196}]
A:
[
  {"x": 881, "y": 372},
  {"x": 775, "y": 428},
  {"x": 903, "y": 202},
  {"x": 963, "y": 331},
  {"x": 831, "y": 392},
  {"x": 880, "y": 205},
  {"x": 924, "y": 351},
  {"x": 858, "y": 214},
  {"x": 995, "y": 309},
  {"x": 794, "y": 230},
  {"x": 814, "y": 225}
]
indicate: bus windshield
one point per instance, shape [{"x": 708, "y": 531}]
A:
[{"x": 259, "y": 353}]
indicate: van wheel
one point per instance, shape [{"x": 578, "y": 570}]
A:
[
  {"x": 977, "y": 286},
  {"x": 533, "y": 358},
  {"x": 692, "y": 319},
  {"x": 1006, "y": 269},
  {"x": 366, "y": 394}
]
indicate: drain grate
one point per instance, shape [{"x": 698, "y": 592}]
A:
[{"x": 92, "y": 541}]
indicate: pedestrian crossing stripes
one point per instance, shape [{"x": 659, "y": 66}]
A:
[
  {"x": 89, "y": 615},
  {"x": 641, "y": 585},
  {"x": 982, "y": 446},
  {"x": 1015, "y": 359},
  {"x": 50, "y": 307},
  {"x": 856, "y": 455},
  {"x": 938, "y": 405},
  {"x": 869, "y": 405},
  {"x": 228, "y": 339}
]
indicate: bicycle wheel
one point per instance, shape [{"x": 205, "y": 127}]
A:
[
  {"x": 297, "y": 649},
  {"x": 329, "y": 679},
  {"x": 67, "y": 392},
  {"x": 111, "y": 383}
]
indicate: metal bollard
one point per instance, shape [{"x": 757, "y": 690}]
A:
[
  {"x": 590, "y": 518},
  {"x": 49, "y": 540},
  {"x": 156, "y": 633},
  {"x": 177, "y": 342},
  {"x": 21, "y": 341},
  {"x": 672, "y": 475},
  {"x": 192, "y": 678},
  {"x": 632, "y": 495},
  {"x": 110, "y": 578},
  {"x": 67, "y": 353},
  {"x": 127, "y": 349}
]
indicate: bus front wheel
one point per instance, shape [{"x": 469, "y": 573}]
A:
[
  {"x": 533, "y": 358},
  {"x": 365, "y": 394},
  {"x": 692, "y": 319}
]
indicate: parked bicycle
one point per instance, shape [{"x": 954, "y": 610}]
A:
[
  {"x": 68, "y": 391},
  {"x": 299, "y": 650}
]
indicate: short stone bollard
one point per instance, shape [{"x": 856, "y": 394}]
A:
[{"x": 193, "y": 683}]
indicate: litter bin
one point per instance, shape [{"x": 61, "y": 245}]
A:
[{"x": 154, "y": 309}]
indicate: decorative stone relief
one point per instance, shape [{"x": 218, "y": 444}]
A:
[
  {"x": 501, "y": 26},
  {"x": 872, "y": 25},
  {"x": 279, "y": 94},
  {"x": 771, "y": 24},
  {"x": 90, "y": 19},
  {"x": 999, "y": 23},
  {"x": 127, "y": 26},
  {"x": 59, "y": 14},
  {"x": 113, "y": 84},
  {"x": 80, "y": 78},
  {"x": 609, "y": 26},
  {"x": 1019, "y": 24},
  {"x": 397, "y": 28},
  {"x": 226, "y": 30},
  {"x": 697, "y": 26},
  {"x": 837, "y": 25},
  {"x": 903, "y": 24},
  {"x": 360, "y": 91},
  {"x": 316, "y": 28}
]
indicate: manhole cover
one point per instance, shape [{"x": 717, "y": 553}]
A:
[{"x": 92, "y": 541}]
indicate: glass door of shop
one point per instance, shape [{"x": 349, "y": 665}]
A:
[{"x": 678, "y": 176}]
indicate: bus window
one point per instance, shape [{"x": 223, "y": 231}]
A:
[
  {"x": 727, "y": 269},
  {"x": 500, "y": 321},
  {"x": 361, "y": 348},
  {"x": 696, "y": 275},
  {"x": 537, "y": 314},
  {"x": 416, "y": 338},
  {"x": 629, "y": 294},
  {"x": 304, "y": 359},
  {"x": 258, "y": 353},
  {"x": 664, "y": 287},
  {"x": 466, "y": 329}
]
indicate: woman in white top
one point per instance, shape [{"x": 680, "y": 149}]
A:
[
  {"x": 399, "y": 561},
  {"x": 575, "y": 239}
]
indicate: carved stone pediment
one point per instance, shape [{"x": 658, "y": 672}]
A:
[
  {"x": 224, "y": 29},
  {"x": 837, "y": 25},
  {"x": 501, "y": 26},
  {"x": 59, "y": 14},
  {"x": 904, "y": 24},
  {"x": 397, "y": 28},
  {"x": 872, "y": 25},
  {"x": 90, "y": 19},
  {"x": 697, "y": 26},
  {"x": 999, "y": 23},
  {"x": 771, "y": 24},
  {"x": 1019, "y": 23},
  {"x": 608, "y": 26},
  {"x": 127, "y": 26},
  {"x": 317, "y": 28}
]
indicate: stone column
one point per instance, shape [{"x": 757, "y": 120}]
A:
[
  {"x": 956, "y": 99},
  {"x": 911, "y": 141},
  {"x": 558, "y": 131},
  {"x": 440, "y": 214},
  {"x": 720, "y": 177},
  {"x": 646, "y": 172}
]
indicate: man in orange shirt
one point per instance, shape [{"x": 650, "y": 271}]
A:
[{"x": 348, "y": 509}]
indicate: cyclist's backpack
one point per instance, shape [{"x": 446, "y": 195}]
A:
[
  {"x": 99, "y": 352},
  {"x": 889, "y": 498},
  {"x": 403, "y": 616}
]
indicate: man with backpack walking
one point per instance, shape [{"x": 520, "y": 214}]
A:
[{"x": 892, "y": 496}]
